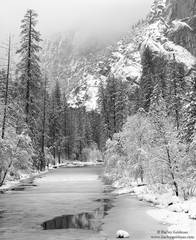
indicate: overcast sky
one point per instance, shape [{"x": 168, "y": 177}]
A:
[{"x": 97, "y": 16}]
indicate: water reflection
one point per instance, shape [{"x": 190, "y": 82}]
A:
[
  {"x": 1, "y": 213},
  {"x": 87, "y": 220},
  {"x": 106, "y": 205},
  {"x": 24, "y": 184}
]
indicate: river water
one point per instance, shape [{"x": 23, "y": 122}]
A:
[{"x": 72, "y": 204}]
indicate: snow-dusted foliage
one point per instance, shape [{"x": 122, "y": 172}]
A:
[
  {"x": 91, "y": 154},
  {"x": 123, "y": 59},
  {"x": 175, "y": 164},
  {"x": 16, "y": 155},
  {"x": 148, "y": 150},
  {"x": 178, "y": 25},
  {"x": 86, "y": 93},
  {"x": 126, "y": 155},
  {"x": 126, "y": 62},
  {"x": 160, "y": 46},
  {"x": 157, "y": 10}
]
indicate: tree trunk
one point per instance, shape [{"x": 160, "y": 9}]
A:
[
  {"x": 28, "y": 71},
  {"x": 172, "y": 173},
  {"x": 54, "y": 153},
  {"x": 6, "y": 92},
  {"x": 43, "y": 162},
  {"x": 59, "y": 155}
]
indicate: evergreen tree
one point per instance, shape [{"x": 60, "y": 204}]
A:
[
  {"x": 2, "y": 84},
  {"x": 9, "y": 101},
  {"x": 55, "y": 112},
  {"x": 44, "y": 124},
  {"x": 121, "y": 104},
  {"x": 65, "y": 128},
  {"x": 97, "y": 126},
  {"x": 175, "y": 92},
  {"x": 189, "y": 124},
  {"x": 146, "y": 83},
  {"x": 104, "y": 112},
  {"x": 28, "y": 69},
  {"x": 113, "y": 101}
]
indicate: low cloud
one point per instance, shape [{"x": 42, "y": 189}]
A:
[{"x": 106, "y": 18}]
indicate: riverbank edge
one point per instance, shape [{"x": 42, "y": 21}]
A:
[
  {"x": 178, "y": 214},
  {"x": 9, "y": 184}
]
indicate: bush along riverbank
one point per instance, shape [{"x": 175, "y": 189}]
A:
[
  {"x": 176, "y": 212},
  {"x": 148, "y": 160}
]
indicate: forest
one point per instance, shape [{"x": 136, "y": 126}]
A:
[
  {"x": 38, "y": 126},
  {"x": 98, "y": 125},
  {"x": 144, "y": 134}
]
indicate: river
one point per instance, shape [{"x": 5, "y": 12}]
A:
[{"x": 72, "y": 204}]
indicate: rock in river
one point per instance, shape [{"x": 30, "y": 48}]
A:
[{"x": 122, "y": 234}]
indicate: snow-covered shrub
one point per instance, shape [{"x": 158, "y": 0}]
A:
[
  {"x": 91, "y": 154},
  {"x": 167, "y": 152},
  {"x": 49, "y": 157},
  {"x": 148, "y": 149},
  {"x": 16, "y": 154},
  {"x": 190, "y": 186},
  {"x": 114, "y": 161},
  {"x": 126, "y": 155}
]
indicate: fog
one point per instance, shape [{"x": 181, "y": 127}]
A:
[{"x": 104, "y": 18}]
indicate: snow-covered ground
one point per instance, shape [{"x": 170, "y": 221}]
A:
[
  {"x": 75, "y": 164},
  {"x": 130, "y": 215},
  {"x": 10, "y": 183},
  {"x": 169, "y": 209}
]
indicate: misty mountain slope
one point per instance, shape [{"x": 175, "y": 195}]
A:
[
  {"x": 122, "y": 60},
  {"x": 68, "y": 56},
  {"x": 163, "y": 33}
]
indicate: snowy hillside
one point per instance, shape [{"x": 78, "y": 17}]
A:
[
  {"x": 124, "y": 60},
  {"x": 67, "y": 58},
  {"x": 80, "y": 68}
]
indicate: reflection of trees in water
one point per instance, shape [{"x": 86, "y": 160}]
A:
[
  {"x": 89, "y": 221},
  {"x": 80, "y": 221}
]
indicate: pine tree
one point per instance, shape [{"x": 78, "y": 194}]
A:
[
  {"x": 121, "y": 104},
  {"x": 28, "y": 69},
  {"x": 55, "y": 114},
  {"x": 12, "y": 113},
  {"x": 2, "y": 83},
  {"x": 65, "y": 127},
  {"x": 6, "y": 91},
  {"x": 189, "y": 124},
  {"x": 75, "y": 137},
  {"x": 175, "y": 92},
  {"x": 111, "y": 92},
  {"x": 97, "y": 126},
  {"x": 43, "y": 125},
  {"x": 113, "y": 101},
  {"x": 104, "y": 112},
  {"x": 146, "y": 83}
]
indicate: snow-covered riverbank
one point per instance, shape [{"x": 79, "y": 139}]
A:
[
  {"x": 12, "y": 182},
  {"x": 76, "y": 164},
  {"x": 72, "y": 191},
  {"x": 169, "y": 209}
]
